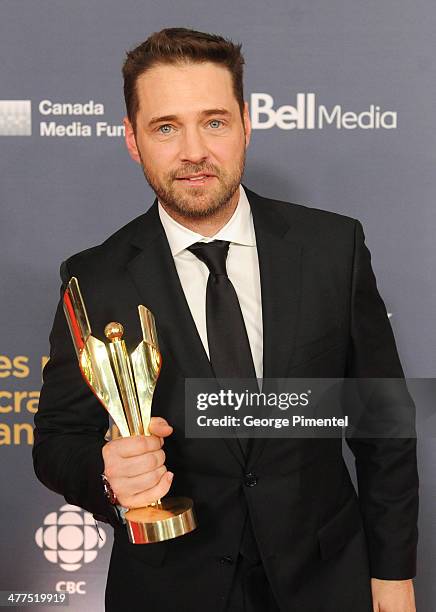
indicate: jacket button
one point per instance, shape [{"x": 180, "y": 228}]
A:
[
  {"x": 227, "y": 559},
  {"x": 250, "y": 479}
]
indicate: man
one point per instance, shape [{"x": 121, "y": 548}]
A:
[{"x": 280, "y": 524}]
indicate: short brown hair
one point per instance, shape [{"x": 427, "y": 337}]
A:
[{"x": 180, "y": 45}]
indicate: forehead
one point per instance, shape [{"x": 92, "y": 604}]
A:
[{"x": 185, "y": 88}]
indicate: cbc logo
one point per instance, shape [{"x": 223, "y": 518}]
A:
[
  {"x": 68, "y": 586},
  {"x": 69, "y": 538}
]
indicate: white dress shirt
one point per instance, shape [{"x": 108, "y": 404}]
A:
[{"x": 242, "y": 269}]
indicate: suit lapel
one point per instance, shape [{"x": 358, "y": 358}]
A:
[
  {"x": 155, "y": 277},
  {"x": 279, "y": 255}
]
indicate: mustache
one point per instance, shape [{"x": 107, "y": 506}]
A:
[{"x": 191, "y": 169}]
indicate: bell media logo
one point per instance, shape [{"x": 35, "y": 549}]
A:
[
  {"x": 15, "y": 118},
  {"x": 70, "y": 538},
  {"x": 307, "y": 114}
]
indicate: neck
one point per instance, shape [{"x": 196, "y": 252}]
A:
[{"x": 210, "y": 225}]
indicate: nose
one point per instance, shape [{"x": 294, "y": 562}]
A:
[{"x": 193, "y": 146}]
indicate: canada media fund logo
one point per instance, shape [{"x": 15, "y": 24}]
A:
[{"x": 15, "y": 118}]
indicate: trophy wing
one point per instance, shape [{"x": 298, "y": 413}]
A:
[
  {"x": 96, "y": 368},
  {"x": 93, "y": 356},
  {"x": 146, "y": 362}
]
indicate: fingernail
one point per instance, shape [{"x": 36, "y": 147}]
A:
[{"x": 170, "y": 476}]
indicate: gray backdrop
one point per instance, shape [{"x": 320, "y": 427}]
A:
[{"x": 61, "y": 194}]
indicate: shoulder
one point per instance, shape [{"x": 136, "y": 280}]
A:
[
  {"x": 307, "y": 222},
  {"x": 302, "y": 212}
]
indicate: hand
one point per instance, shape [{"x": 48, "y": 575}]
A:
[
  {"x": 135, "y": 467},
  {"x": 393, "y": 595}
]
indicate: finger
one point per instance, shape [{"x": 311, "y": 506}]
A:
[
  {"x": 160, "y": 427},
  {"x": 135, "y": 445},
  {"x": 147, "y": 497},
  {"x": 137, "y": 484},
  {"x": 135, "y": 466}
]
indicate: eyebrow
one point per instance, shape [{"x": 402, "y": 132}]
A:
[{"x": 206, "y": 113}]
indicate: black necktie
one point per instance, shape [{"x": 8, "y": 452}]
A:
[{"x": 229, "y": 348}]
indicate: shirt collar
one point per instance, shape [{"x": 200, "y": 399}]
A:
[{"x": 238, "y": 229}]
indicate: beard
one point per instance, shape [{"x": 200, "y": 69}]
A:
[{"x": 196, "y": 202}]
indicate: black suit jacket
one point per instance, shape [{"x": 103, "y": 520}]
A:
[{"x": 322, "y": 317}]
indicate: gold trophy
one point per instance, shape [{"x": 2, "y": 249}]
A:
[{"x": 125, "y": 385}]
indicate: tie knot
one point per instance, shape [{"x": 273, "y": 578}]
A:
[{"x": 213, "y": 254}]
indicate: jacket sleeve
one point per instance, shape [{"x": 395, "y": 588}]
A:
[
  {"x": 386, "y": 466},
  {"x": 70, "y": 426}
]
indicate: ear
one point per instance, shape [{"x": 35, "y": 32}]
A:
[
  {"x": 129, "y": 137},
  {"x": 247, "y": 125}
]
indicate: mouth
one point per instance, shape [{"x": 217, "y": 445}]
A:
[{"x": 196, "y": 179}]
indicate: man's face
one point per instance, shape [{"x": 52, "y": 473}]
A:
[{"x": 189, "y": 124}]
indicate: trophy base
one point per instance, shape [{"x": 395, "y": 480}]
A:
[{"x": 173, "y": 518}]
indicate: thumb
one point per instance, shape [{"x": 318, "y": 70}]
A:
[{"x": 160, "y": 427}]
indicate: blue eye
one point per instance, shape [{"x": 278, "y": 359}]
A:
[
  {"x": 215, "y": 121},
  {"x": 164, "y": 126}
]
